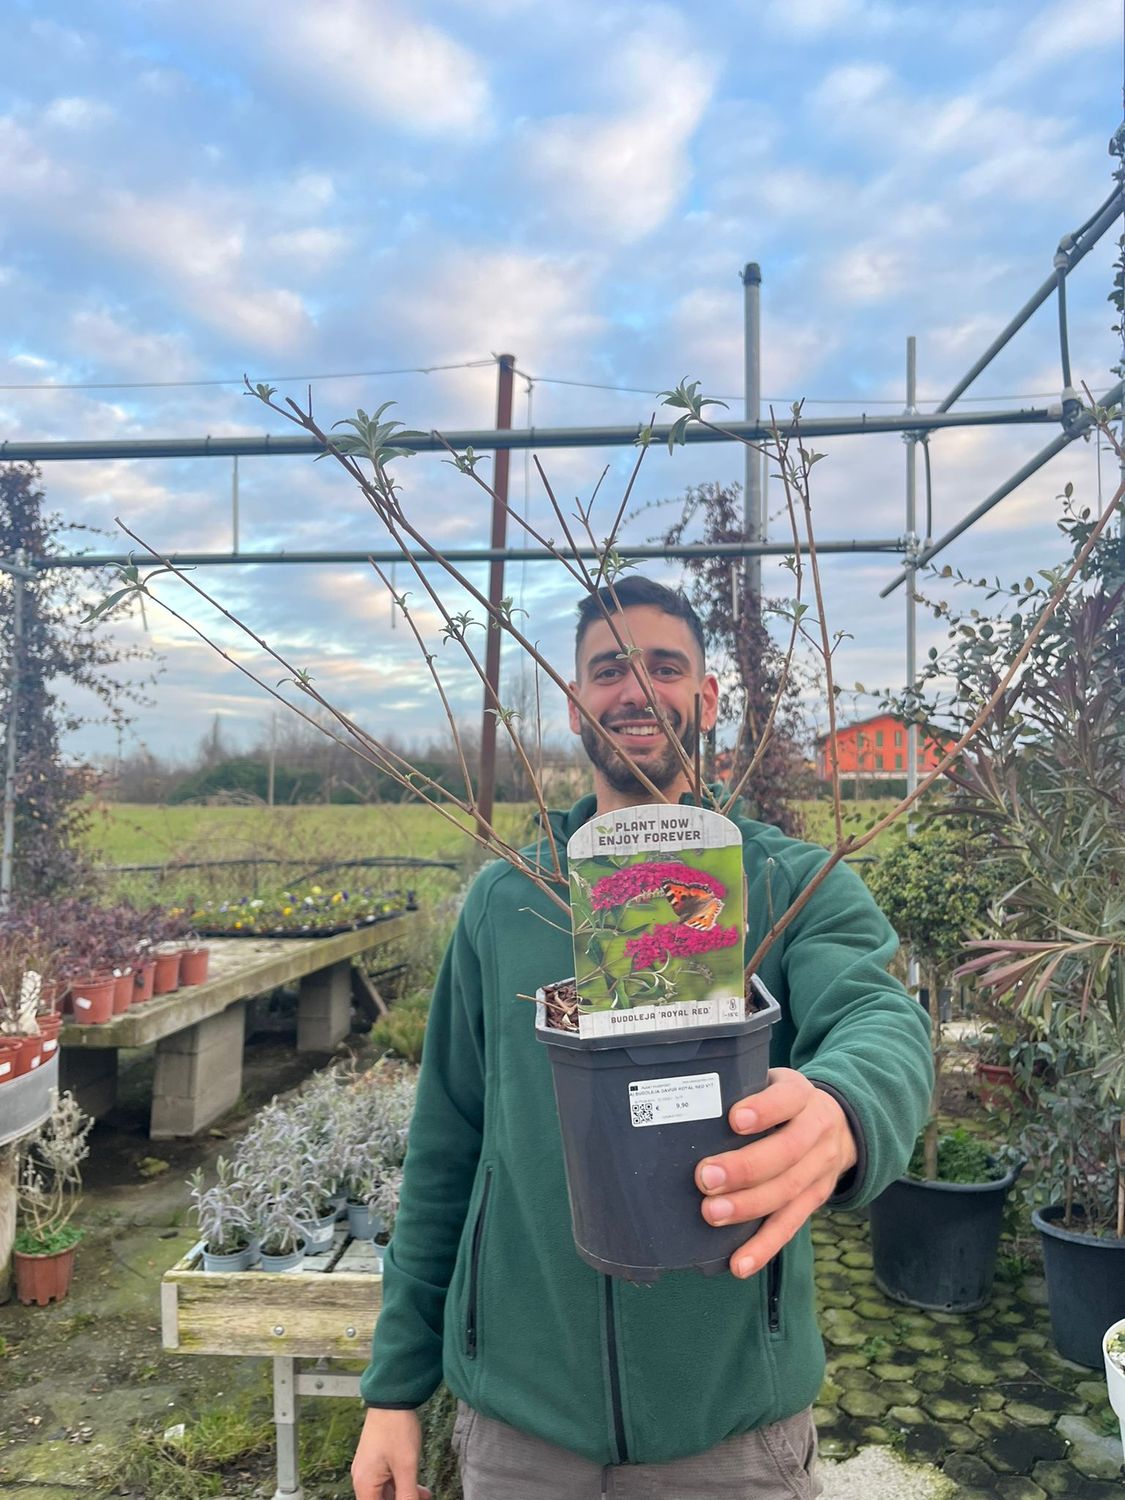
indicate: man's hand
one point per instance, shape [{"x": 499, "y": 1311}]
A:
[
  {"x": 385, "y": 1466},
  {"x": 784, "y": 1177}
]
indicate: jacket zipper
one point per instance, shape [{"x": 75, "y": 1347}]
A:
[
  {"x": 474, "y": 1269},
  {"x": 614, "y": 1375},
  {"x": 773, "y": 1294}
]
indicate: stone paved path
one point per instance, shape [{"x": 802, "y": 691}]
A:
[{"x": 982, "y": 1396}]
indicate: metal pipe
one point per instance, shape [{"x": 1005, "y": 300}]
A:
[
  {"x": 8, "y": 834},
  {"x": 455, "y": 554},
  {"x": 752, "y": 360},
  {"x": 266, "y": 446},
  {"x": 1056, "y": 445},
  {"x": 1079, "y": 245},
  {"x": 486, "y": 780},
  {"x": 911, "y": 569}
]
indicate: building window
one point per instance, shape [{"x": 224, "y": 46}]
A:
[
  {"x": 898, "y": 762},
  {"x": 878, "y": 762},
  {"x": 879, "y": 737},
  {"x": 898, "y": 738}
]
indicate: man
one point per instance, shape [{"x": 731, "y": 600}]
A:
[{"x": 573, "y": 1385}]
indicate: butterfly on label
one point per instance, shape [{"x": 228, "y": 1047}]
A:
[{"x": 694, "y": 905}]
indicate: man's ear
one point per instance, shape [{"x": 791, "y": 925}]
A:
[
  {"x": 572, "y": 713},
  {"x": 709, "y": 702}
]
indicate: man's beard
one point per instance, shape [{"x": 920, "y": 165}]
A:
[{"x": 662, "y": 770}]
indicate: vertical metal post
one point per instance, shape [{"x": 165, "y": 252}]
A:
[
  {"x": 234, "y": 505},
  {"x": 15, "y": 667},
  {"x": 911, "y": 441},
  {"x": 273, "y": 759},
  {"x": 285, "y": 1427},
  {"x": 752, "y": 353},
  {"x": 486, "y": 785}
]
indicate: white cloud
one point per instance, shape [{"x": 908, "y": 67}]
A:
[
  {"x": 311, "y": 249},
  {"x": 76, "y": 113},
  {"x": 371, "y": 57},
  {"x": 619, "y": 176}
]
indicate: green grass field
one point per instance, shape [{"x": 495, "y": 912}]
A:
[{"x": 310, "y": 836}]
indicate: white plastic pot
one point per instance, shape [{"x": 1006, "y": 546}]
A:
[{"x": 1115, "y": 1375}]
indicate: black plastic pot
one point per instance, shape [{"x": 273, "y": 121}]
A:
[
  {"x": 934, "y": 1243},
  {"x": 1085, "y": 1286},
  {"x": 636, "y": 1116}
]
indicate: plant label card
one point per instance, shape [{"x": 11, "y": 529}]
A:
[{"x": 659, "y": 912}]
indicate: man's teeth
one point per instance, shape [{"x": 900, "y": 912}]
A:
[{"x": 633, "y": 730}]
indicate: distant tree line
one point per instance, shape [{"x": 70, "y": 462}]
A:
[{"x": 290, "y": 763}]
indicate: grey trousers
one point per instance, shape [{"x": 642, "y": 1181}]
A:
[{"x": 500, "y": 1463}]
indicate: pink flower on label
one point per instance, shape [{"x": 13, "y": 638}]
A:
[
  {"x": 643, "y": 881},
  {"x": 675, "y": 940}
]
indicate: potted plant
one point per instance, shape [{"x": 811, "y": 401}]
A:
[
  {"x": 1046, "y": 781},
  {"x": 378, "y": 1111},
  {"x": 1113, "y": 1348},
  {"x": 935, "y": 1232},
  {"x": 46, "y": 1198},
  {"x": 222, "y": 1214}
]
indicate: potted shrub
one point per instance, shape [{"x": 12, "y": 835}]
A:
[
  {"x": 222, "y": 1214},
  {"x": 46, "y": 1198},
  {"x": 1047, "y": 783},
  {"x": 935, "y": 1232}
]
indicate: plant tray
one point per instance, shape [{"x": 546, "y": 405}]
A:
[
  {"x": 25, "y": 1102},
  {"x": 327, "y": 1309},
  {"x": 298, "y": 932}
]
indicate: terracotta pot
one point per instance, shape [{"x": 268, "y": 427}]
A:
[
  {"x": 143, "y": 976},
  {"x": 30, "y": 1054},
  {"x": 193, "y": 965},
  {"x": 996, "y": 1084},
  {"x": 93, "y": 999},
  {"x": 50, "y": 993},
  {"x": 50, "y": 1024},
  {"x": 166, "y": 980},
  {"x": 122, "y": 992},
  {"x": 41, "y": 1279},
  {"x": 10, "y": 1048}
]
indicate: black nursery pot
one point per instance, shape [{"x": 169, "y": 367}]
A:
[
  {"x": 637, "y": 1115},
  {"x": 1085, "y": 1285},
  {"x": 934, "y": 1244}
]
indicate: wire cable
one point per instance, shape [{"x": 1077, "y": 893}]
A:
[{"x": 158, "y": 385}]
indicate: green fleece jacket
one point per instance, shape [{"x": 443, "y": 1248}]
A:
[{"x": 483, "y": 1285}]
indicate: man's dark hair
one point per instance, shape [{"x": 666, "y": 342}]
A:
[{"x": 631, "y": 590}]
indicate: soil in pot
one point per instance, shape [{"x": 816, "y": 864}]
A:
[
  {"x": 92, "y": 999},
  {"x": 637, "y": 1114},
  {"x": 194, "y": 963},
  {"x": 1085, "y": 1284},
  {"x": 166, "y": 979}
]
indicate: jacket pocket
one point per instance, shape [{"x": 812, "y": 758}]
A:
[
  {"x": 773, "y": 1295},
  {"x": 472, "y": 1301}
]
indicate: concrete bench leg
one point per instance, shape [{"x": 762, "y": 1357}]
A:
[
  {"x": 90, "y": 1073},
  {"x": 324, "y": 1008},
  {"x": 198, "y": 1074}
]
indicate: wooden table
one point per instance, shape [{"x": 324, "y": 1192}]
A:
[
  {"x": 326, "y": 1310},
  {"x": 200, "y": 1031}
]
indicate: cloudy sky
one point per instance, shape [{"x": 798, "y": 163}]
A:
[{"x": 329, "y": 191}]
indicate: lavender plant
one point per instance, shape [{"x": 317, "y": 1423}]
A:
[
  {"x": 222, "y": 1210},
  {"x": 50, "y": 1177}
]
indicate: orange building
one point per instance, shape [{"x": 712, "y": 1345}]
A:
[{"x": 876, "y": 747}]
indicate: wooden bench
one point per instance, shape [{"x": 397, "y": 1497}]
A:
[
  {"x": 326, "y": 1310},
  {"x": 200, "y": 1031}
]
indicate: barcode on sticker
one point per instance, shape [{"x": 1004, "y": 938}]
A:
[{"x": 670, "y": 1101}]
